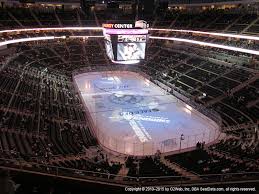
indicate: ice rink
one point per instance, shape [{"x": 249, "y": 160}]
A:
[{"x": 133, "y": 116}]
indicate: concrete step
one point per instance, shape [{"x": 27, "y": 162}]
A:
[
  {"x": 122, "y": 173},
  {"x": 179, "y": 169}
]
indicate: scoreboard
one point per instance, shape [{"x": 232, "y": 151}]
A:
[
  {"x": 125, "y": 43},
  {"x": 131, "y": 47}
]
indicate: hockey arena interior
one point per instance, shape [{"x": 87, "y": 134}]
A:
[{"x": 134, "y": 95}]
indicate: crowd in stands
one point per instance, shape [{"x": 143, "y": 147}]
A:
[
  {"x": 204, "y": 162},
  {"x": 141, "y": 168}
]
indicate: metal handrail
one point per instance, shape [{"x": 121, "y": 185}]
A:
[{"x": 60, "y": 171}]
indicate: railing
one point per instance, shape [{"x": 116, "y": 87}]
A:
[
  {"x": 122, "y": 181},
  {"x": 150, "y": 148}
]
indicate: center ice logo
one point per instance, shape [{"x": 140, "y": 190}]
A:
[{"x": 124, "y": 99}]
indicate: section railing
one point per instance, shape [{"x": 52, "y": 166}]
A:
[{"x": 69, "y": 173}]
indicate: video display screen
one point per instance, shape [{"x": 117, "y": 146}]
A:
[
  {"x": 131, "y": 51},
  {"x": 125, "y": 47}
]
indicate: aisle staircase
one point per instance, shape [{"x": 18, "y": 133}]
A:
[
  {"x": 122, "y": 173},
  {"x": 179, "y": 169}
]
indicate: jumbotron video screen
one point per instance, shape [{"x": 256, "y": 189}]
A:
[
  {"x": 126, "y": 43},
  {"x": 131, "y": 47}
]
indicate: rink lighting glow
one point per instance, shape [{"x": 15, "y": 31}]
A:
[
  {"x": 87, "y": 85},
  {"x": 126, "y": 62},
  {"x": 208, "y": 33},
  {"x": 201, "y": 43},
  {"x": 14, "y": 41},
  {"x": 86, "y": 37},
  {"x": 26, "y": 40},
  {"x": 187, "y": 111},
  {"x": 151, "y": 29},
  {"x": 147, "y": 82},
  {"x": 254, "y": 52},
  {"x": 188, "y": 107},
  {"x": 164, "y": 74},
  {"x": 119, "y": 94},
  {"x": 49, "y": 29}
]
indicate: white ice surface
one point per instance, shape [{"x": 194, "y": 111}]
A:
[{"x": 134, "y": 116}]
